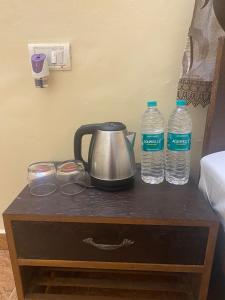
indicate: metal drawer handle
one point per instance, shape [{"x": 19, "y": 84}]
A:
[{"x": 125, "y": 243}]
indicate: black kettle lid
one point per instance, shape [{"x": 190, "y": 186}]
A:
[{"x": 112, "y": 126}]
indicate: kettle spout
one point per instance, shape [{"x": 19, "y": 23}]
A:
[{"x": 131, "y": 137}]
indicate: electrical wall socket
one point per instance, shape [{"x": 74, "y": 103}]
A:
[{"x": 58, "y": 54}]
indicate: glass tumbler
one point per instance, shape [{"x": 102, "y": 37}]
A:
[
  {"x": 42, "y": 178},
  {"x": 70, "y": 176}
]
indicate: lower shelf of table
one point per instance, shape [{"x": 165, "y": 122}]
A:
[
  {"x": 161, "y": 296},
  {"x": 66, "y": 283}
]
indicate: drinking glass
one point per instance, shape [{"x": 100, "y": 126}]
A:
[
  {"x": 70, "y": 175},
  {"x": 42, "y": 178}
]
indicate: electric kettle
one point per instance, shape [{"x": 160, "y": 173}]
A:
[{"x": 111, "y": 162}]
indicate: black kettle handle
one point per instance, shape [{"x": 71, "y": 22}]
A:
[{"x": 83, "y": 130}]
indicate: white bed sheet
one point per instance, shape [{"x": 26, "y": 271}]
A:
[{"x": 212, "y": 182}]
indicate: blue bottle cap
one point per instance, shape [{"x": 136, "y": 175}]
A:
[
  {"x": 152, "y": 103},
  {"x": 181, "y": 102}
]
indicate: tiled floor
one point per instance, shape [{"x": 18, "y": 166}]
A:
[{"x": 7, "y": 286}]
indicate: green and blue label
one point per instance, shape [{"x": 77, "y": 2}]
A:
[
  {"x": 179, "y": 141},
  {"x": 153, "y": 142}
]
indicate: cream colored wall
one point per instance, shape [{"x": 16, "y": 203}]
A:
[{"x": 124, "y": 52}]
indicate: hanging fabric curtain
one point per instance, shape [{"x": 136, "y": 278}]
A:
[{"x": 208, "y": 24}]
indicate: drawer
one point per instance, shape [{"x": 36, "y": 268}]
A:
[{"x": 156, "y": 244}]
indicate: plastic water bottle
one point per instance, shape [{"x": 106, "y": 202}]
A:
[
  {"x": 179, "y": 145},
  {"x": 152, "y": 155}
]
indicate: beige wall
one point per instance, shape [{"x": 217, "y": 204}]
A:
[{"x": 123, "y": 51}]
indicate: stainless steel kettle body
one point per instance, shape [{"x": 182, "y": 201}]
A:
[{"x": 111, "y": 162}]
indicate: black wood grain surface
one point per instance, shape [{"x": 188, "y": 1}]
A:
[{"x": 144, "y": 201}]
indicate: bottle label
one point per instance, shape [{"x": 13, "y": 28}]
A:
[
  {"x": 152, "y": 142},
  {"x": 179, "y": 142}
]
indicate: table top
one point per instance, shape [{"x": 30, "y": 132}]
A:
[{"x": 149, "y": 203}]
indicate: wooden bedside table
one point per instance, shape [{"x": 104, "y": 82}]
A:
[{"x": 150, "y": 242}]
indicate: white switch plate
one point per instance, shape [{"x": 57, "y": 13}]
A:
[{"x": 58, "y": 54}]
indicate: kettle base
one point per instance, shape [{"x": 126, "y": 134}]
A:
[{"x": 114, "y": 185}]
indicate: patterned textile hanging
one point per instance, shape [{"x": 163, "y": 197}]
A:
[{"x": 208, "y": 24}]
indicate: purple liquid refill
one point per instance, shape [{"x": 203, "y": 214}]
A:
[{"x": 40, "y": 70}]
